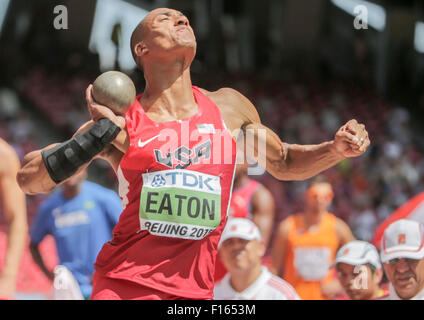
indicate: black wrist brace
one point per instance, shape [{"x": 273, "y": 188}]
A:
[{"x": 63, "y": 160}]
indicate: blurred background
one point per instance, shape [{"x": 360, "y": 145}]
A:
[{"x": 308, "y": 67}]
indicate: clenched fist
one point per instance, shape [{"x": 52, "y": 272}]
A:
[{"x": 352, "y": 140}]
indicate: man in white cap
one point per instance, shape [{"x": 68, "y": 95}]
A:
[
  {"x": 241, "y": 248},
  {"x": 402, "y": 254},
  {"x": 359, "y": 270}
]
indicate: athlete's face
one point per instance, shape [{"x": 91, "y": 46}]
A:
[
  {"x": 319, "y": 196},
  {"x": 166, "y": 30},
  {"x": 241, "y": 255},
  {"x": 406, "y": 276},
  {"x": 359, "y": 282}
]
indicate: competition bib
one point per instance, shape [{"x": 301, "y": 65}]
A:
[
  {"x": 180, "y": 204},
  {"x": 312, "y": 263}
]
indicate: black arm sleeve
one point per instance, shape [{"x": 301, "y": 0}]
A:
[{"x": 63, "y": 160}]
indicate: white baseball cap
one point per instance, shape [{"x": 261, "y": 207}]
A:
[
  {"x": 358, "y": 253},
  {"x": 403, "y": 239},
  {"x": 240, "y": 228}
]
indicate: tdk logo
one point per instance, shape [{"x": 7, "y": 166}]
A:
[
  {"x": 187, "y": 180},
  {"x": 158, "y": 181}
]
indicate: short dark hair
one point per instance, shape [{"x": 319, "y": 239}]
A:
[{"x": 137, "y": 36}]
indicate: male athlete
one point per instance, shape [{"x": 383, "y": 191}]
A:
[{"x": 174, "y": 157}]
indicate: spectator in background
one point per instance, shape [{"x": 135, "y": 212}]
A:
[
  {"x": 402, "y": 254},
  {"x": 241, "y": 249},
  {"x": 359, "y": 270},
  {"x": 251, "y": 200},
  {"x": 14, "y": 209},
  {"x": 306, "y": 244},
  {"x": 80, "y": 215}
]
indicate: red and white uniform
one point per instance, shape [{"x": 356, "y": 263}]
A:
[
  {"x": 175, "y": 182},
  {"x": 240, "y": 205},
  {"x": 266, "y": 287}
]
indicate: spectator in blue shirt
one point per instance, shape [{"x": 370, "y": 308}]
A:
[{"x": 80, "y": 215}]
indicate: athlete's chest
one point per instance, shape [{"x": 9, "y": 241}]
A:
[{"x": 183, "y": 144}]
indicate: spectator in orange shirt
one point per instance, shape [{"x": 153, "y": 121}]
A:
[{"x": 306, "y": 244}]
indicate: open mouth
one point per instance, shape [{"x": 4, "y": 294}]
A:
[{"x": 185, "y": 28}]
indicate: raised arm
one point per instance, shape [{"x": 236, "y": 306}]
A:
[
  {"x": 34, "y": 177},
  {"x": 14, "y": 209},
  {"x": 288, "y": 161}
]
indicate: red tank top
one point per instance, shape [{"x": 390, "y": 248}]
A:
[
  {"x": 240, "y": 206},
  {"x": 175, "y": 182}
]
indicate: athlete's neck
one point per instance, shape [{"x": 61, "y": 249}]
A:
[
  {"x": 168, "y": 94},
  {"x": 240, "y": 281},
  {"x": 312, "y": 217}
]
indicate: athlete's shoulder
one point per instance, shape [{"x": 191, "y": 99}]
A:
[
  {"x": 342, "y": 229},
  {"x": 232, "y": 99},
  {"x": 285, "y": 227},
  {"x": 221, "y": 93}
]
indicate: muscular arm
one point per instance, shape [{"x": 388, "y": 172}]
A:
[
  {"x": 14, "y": 208},
  {"x": 263, "y": 212},
  {"x": 279, "y": 248},
  {"x": 282, "y": 160},
  {"x": 34, "y": 178}
]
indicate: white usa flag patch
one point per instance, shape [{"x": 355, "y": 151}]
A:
[{"x": 206, "y": 128}]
